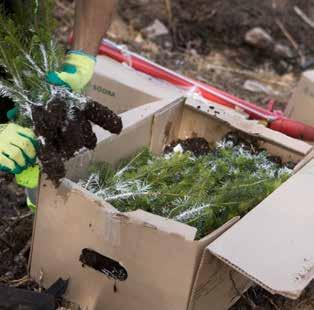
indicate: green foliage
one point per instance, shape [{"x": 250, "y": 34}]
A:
[
  {"x": 27, "y": 52},
  {"x": 203, "y": 192}
]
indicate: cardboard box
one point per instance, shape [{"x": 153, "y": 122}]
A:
[
  {"x": 301, "y": 104},
  {"x": 161, "y": 265},
  {"x": 121, "y": 88}
]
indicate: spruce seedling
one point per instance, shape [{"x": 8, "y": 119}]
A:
[
  {"x": 59, "y": 117},
  {"x": 27, "y": 51},
  {"x": 202, "y": 191}
]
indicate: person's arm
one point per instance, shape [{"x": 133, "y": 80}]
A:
[{"x": 92, "y": 20}]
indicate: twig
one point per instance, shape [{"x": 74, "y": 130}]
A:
[
  {"x": 290, "y": 39},
  {"x": 170, "y": 20},
  {"x": 17, "y": 211},
  {"x": 272, "y": 302},
  {"x": 305, "y": 301},
  {"x": 128, "y": 165},
  {"x": 253, "y": 184},
  {"x": 169, "y": 10},
  {"x": 4, "y": 222},
  {"x": 6, "y": 242},
  {"x": 41, "y": 281},
  {"x": 24, "y": 250},
  {"x": 20, "y": 282},
  {"x": 6, "y": 230},
  {"x": 304, "y": 17},
  {"x": 4, "y": 279},
  {"x": 287, "y": 34},
  {"x": 246, "y": 298},
  {"x": 14, "y": 281},
  {"x": 15, "y": 221},
  {"x": 5, "y": 251},
  {"x": 21, "y": 217}
]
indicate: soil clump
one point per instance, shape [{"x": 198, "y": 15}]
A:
[{"x": 62, "y": 136}]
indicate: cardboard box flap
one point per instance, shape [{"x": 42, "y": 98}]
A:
[
  {"x": 272, "y": 245},
  {"x": 135, "y": 115},
  {"x": 238, "y": 121},
  {"x": 164, "y": 224},
  {"x": 121, "y": 88},
  {"x": 137, "y": 120},
  {"x": 132, "y": 79},
  {"x": 139, "y": 216}
]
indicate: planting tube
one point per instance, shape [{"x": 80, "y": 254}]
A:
[
  {"x": 141, "y": 64},
  {"x": 276, "y": 121}
]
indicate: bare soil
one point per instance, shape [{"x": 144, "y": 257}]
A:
[
  {"x": 211, "y": 25},
  {"x": 15, "y": 234},
  {"x": 198, "y": 146}
]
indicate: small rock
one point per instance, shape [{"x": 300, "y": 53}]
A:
[
  {"x": 258, "y": 87},
  {"x": 283, "y": 51},
  {"x": 168, "y": 44},
  {"x": 19, "y": 259},
  {"x": 259, "y": 38},
  {"x": 156, "y": 29},
  {"x": 193, "y": 52},
  {"x": 139, "y": 39},
  {"x": 9, "y": 275}
]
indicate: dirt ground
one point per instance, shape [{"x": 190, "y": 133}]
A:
[
  {"x": 15, "y": 234},
  {"x": 205, "y": 40}
]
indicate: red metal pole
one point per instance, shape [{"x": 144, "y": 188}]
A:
[{"x": 275, "y": 120}]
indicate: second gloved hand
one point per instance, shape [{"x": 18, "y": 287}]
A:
[
  {"x": 76, "y": 73},
  {"x": 18, "y": 147}
]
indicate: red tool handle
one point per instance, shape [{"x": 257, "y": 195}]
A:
[{"x": 275, "y": 120}]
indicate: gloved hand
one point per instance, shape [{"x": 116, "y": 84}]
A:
[
  {"x": 77, "y": 71},
  {"x": 18, "y": 147}
]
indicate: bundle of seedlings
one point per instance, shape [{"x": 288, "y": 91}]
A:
[
  {"x": 190, "y": 182},
  {"x": 60, "y": 118}
]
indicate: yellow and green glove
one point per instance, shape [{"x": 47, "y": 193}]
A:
[
  {"x": 76, "y": 73},
  {"x": 18, "y": 148}
]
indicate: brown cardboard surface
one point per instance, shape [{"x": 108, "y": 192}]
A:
[
  {"x": 122, "y": 88},
  {"x": 137, "y": 123},
  {"x": 194, "y": 124},
  {"x": 166, "y": 126},
  {"x": 80, "y": 222},
  {"x": 216, "y": 284},
  {"x": 65, "y": 214},
  {"x": 301, "y": 104},
  {"x": 169, "y": 226},
  {"x": 274, "y": 141},
  {"x": 272, "y": 244},
  {"x": 162, "y": 261},
  {"x": 304, "y": 161}
]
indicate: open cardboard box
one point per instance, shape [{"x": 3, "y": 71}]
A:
[
  {"x": 163, "y": 266},
  {"x": 122, "y": 88}
]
